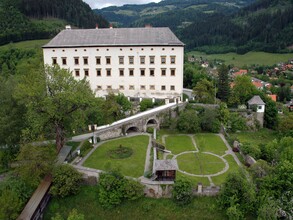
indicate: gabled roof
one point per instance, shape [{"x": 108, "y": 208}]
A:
[
  {"x": 114, "y": 37},
  {"x": 256, "y": 100},
  {"x": 166, "y": 165}
]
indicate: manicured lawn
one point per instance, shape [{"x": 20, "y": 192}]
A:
[
  {"x": 233, "y": 167},
  {"x": 262, "y": 136},
  {"x": 248, "y": 59},
  {"x": 200, "y": 164},
  {"x": 179, "y": 143},
  {"x": 193, "y": 179},
  {"x": 210, "y": 143},
  {"x": 145, "y": 208},
  {"x": 132, "y": 166}
]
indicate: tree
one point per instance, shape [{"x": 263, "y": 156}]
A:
[
  {"x": 209, "y": 120},
  {"x": 204, "y": 91},
  {"x": 224, "y": 113},
  {"x": 53, "y": 97},
  {"x": 223, "y": 85},
  {"x": 10, "y": 205},
  {"x": 242, "y": 91},
  {"x": 34, "y": 162},
  {"x": 66, "y": 181},
  {"x": 182, "y": 192},
  {"x": 188, "y": 121},
  {"x": 73, "y": 215}
]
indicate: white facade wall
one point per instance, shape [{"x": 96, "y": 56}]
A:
[
  {"x": 133, "y": 85},
  {"x": 260, "y": 108}
]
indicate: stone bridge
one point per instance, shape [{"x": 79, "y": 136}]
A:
[{"x": 136, "y": 123}]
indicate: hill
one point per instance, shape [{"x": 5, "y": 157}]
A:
[
  {"x": 216, "y": 26},
  {"x": 28, "y": 19}
]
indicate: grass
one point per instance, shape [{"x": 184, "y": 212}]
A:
[
  {"x": 132, "y": 166},
  {"x": 233, "y": 167},
  {"x": 179, "y": 143},
  {"x": 31, "y": 44},
  {"x": 260, "y": 58},
  {"x": 145, "y": 208},
  {"x": 193, "y": 179},
  {"x": 210, "y": 143},
  {"x": 200, "y": 164},
  {"x": 255, "y": 138}
]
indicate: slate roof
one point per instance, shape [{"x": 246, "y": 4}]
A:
[
  {"x": 115, "y": 37},
  {"x": 256, "y": 100},
  {"x": 166, "y": 165}
]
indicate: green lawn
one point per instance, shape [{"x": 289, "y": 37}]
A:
[
  {"x": 31, "y": 44},
  {"x": 145, "y": 208},
  {"x": 193, "y": 179},
  {"x": 233, "y": 167},
  {"x": 132, "y": 166},
  {"x": 200, "y": 164},
  {"x": 210, "y": 143},
  {"x": 179, "y": 143},
  {"x": 262, "y": 136},
  {"x": 248, "y": 59}
]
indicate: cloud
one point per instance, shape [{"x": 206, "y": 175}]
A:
[{"x": 101, "y": 3}]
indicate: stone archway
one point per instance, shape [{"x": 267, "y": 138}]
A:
[
  {"x": 132, "y": 129},
  {"x": 152, "y": 122}
]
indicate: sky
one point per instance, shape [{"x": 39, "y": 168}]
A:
[{"x": 94, "y": 4}]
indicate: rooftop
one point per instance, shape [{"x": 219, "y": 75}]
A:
[
  {"x": 162, "y": 36},
  {"x": 166, "y": 165},
  {"x": 256, "y": 100}
]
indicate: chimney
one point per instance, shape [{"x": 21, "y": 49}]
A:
[
  {"x": 148, "y": 26},
  {"x": 68, "y": 27},
  {"x": 111, "y": 26},
  {"x": 97, "y": 26}
]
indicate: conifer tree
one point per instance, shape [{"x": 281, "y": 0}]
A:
[{"x": 223, "y": 85}]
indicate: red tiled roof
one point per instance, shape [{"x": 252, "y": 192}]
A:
[{"x": 273, "y": 97}]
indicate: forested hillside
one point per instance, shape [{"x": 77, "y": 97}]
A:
[
  {"x": 216, "y": 26},
  {"x": 32, "y": 19}
]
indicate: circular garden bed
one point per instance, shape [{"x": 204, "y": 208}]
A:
[{"x": 120, "y": 152}]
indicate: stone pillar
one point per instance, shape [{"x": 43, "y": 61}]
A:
[
  {"x": 199, "y": 188},
  {"x": 140, "y": 99},
  {"x": 153, "y": 100},
  {"x": 155, "y": 133},
  {"x": 166, "y": 101},
  {"x": 128, "y": 98},
  {"x": 90, "y": 127},
  {"x": 186, "y": 100}
]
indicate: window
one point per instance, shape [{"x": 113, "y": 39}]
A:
[
  {"x": 76, "y": 72},
  {"x": 109, "y": 87},
  {"x": 152, "y": 59},
  {"x": 172, "y": 72},
  {"x": 142, "y": 60},
  {"x": 163, "y": 59},
  {"x": 131, "y": 60},
  {"x": 121, "y": 60},
  {"x": 108, "y": 60},
  {"x": 142, "y": 87},
  {"x": 76, "y": 61},
  {"x": 85, "y": 61},
  {"x": 98, "y": 60},
  {"x": 108, "y": 72},
  {"x": 64, "y": 61},
  {"x": 152, "y": 72},
  {"x": 121, "y": 72},
  {"x": 99, "y": 87},
  {"x": 152, "y": 87},
  {"x": 86, "y": 72},
  {"x": 131, "y": 72},
  {"x": 259, "y": 107},
  {"x": 163, "y": 87},
  {"x": 142, "y": 72},
  {"x": 54, "y": 60},
  {"x": 163, "y": 72},
  {"x": 131, "y": 87},
  {"x": 173, "y": 59},
  {"x": 121, "y": 87},
  {"x": 172, "y": 88},
  {"x": 99, "y": 73}
]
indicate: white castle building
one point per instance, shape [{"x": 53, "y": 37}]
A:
[{"x": 138, "y": 62}]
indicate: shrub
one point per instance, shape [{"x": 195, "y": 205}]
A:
[
  {"x": 234, "y": 213},
  {"x": 182, "y": 192},
  {"x": 150, "y": 130},
  {"x": 188, "y": 121},
  {"x": 66, "y": 181},
  {"x": 114, "y": 188},
  {"x": 252, "y": 150},
  {"x": 236, "y": 122},
  {"x": 145, "y": 104},
  {"x": 85, "y": 147}
]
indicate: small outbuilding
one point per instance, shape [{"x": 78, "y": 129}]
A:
[
  {"x": 258, "y": 102},
  {"x": 165, "y": 170}
]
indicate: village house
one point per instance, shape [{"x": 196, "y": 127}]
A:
[{"x": 138, "y": 62}]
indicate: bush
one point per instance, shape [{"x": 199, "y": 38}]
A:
[
  {"x": 66, "y": 181},
  {"x": 114, "y": 188},
  {"x": 188, "y": 121},
  {"x": 252, "y": 150},
  {"x": 85, "y": 147},
  {"x": 145, "y": 104},
  {"x": 234, "y": 213},
  {"x": 150, "y": 130},
  {"x": 236, "y": 122},
  {"x": 182, "y": 192}
]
